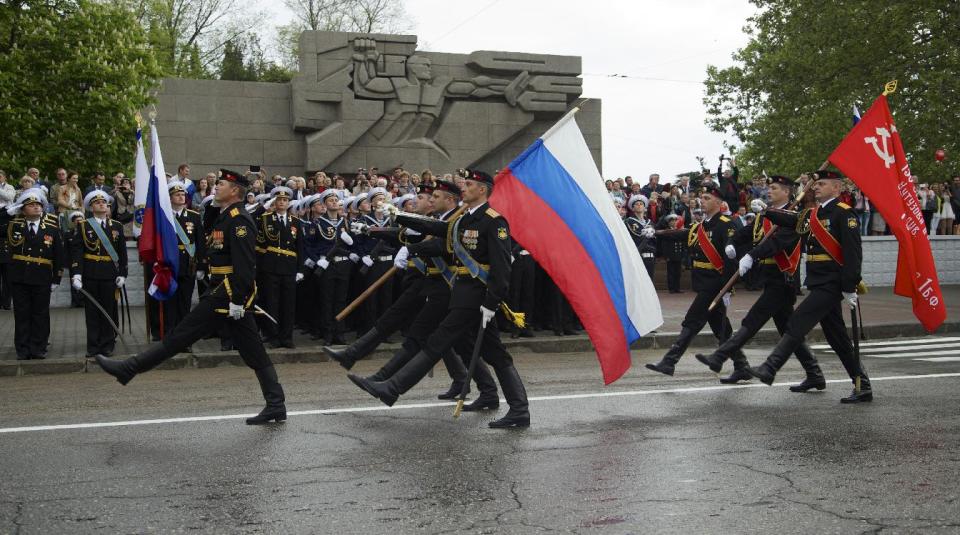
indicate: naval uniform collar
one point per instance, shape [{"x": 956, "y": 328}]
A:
[
  {"x": 446, "y": 215},
  {"x": 473, "y": 210},
  {"x": 330, "y": 221},
  {"x": 826, "y": 202}
]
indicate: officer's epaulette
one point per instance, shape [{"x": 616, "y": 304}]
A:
[
  {"x": 843, "y": 205},
  {"x": 194, "y": 212},
  {"x": 267, "y": 213},
  {"x": 295, "y": 218},
  {"x": 18, "y": 219},
  {"x": 492, "y": 213},
  {"x": 724, "y": 218},
  {"x": 234, "y": 212}
]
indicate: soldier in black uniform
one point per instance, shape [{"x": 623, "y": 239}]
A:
[
  {"x": 673, "y": 248},
  {"x": 35, "y": 245},
  {"x": 280, "y": 266},
  {"x": 192, "y": 246},
  {"x": 480, "y": 240},
  {"x": 834, "y": 258},
  {"x": 523, "y": 273},
  {"x": 711, "y": 269},
  {"x": 231, "y": 244},
  {"x": 333, "y": 263},
  {"x": 99, "y": 266},
  {"x": 426, "y": 300},
  {"x": 775, "y": 274},
  {"x": 642, "y": 231}
]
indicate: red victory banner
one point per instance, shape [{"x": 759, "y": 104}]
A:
[{"x": 872, "y": 156}]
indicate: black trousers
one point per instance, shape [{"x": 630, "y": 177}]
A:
[
  {"x": 407, "y": 306},
  {"x": 823, "y": 305},
  {"x": 673, "y": 275},
  {"x": 334, "y": 286},
  {"x": 177, "y": 307},
  {"x": 101, "y": 338},
  {"x": 205, "y": 318},
  {"x": 776, "y": 302},
  {"x": 279, "y": 297},
  {"x": 522, "y": 280},
  {"x": 650, "y": 263},
  {"x": 378, "y": 303},
  {"x": 459, "y": 330},
  {"x": 6, "y": 291},
  {"x": 698, "y": 314},
  {"x": 31, "y": 316}
]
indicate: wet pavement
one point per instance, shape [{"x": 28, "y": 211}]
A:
[{"x": 647, "y": 454}]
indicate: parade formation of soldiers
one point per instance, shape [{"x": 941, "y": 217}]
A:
[{"x": 267, "y": 267}]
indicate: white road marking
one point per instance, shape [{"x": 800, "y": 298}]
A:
[
  {"x": 907, "y": 349},
  {"x": 912, "y": 355},
  {"x": 942, "y": 359},
  {"x": 686, "y": 390},
  {"x": 929, "y": 340}
]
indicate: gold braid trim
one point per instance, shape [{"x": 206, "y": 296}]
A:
[{"x": 517, "y": 318}]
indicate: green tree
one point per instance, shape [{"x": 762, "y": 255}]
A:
[
  {"x": 73, "y": 74},
  {"x": 788, "y": 98}
]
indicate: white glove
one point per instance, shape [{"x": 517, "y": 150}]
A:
[
  {"x": 757, "y": 206},
  {"x": 389, "y": 209},
  {"x": 120, "y": 281},
  {"x": 850, "y": 298},
  {"x": 309, "y": 263},
  {"x": 731, "y": 251},
  {"x": 236, "y": 311},
  {"x": 745, "y": 264},
  {"x": 410, "y": 232},
  {"x": 726, "y": 300},
  {"x": 77, "y": 282},
  {"x": 400, "y": 259},
  {"x": 354, "y": 257},
  {"x": 367, "y": 261},
  {"x": 486, "y": 315},
  {"x": 358, "y": 228},
  {"x": 201, "y": 275},
  {"x": 648, "y": 231},
  {"x": 323, "y": 263},
  {"x": 346, "y": 238},
  {"x": 53, "y": 286},
  {"x": 299, "y": 277}
]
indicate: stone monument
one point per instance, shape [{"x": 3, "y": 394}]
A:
[{"x": 374, "y": 100}]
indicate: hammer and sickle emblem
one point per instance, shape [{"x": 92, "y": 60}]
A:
[{"x": 884, "y": 154}]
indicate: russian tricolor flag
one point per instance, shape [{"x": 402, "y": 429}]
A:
[
  {"x": 158, "y": 237},
  {"x": 559, "y": 210}
]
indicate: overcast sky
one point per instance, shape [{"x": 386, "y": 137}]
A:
[{"x": 650, "y": 124}]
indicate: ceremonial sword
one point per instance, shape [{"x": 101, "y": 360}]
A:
[{"x": 102, "y": 311}]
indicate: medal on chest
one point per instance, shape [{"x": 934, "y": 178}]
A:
[
  {"x": 470, "y": 239},
  {"x": 216, "y": 239}
]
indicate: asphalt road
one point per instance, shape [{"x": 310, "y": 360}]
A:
[{"x": 648, "y": 454}]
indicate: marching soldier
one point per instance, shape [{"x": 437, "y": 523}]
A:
[
  {"x": 280, "y": 263},
  {"x": 36, "y": 251},
  {"x": 480, "y": 240},
  {"x": 332, "y": 260},
  {"x": 834, "y": 258},
  {"x": 426, "y": 300},
  {"x": 775, "y": 274},
  {"x": 193, "y": 250},
  {"x": 643, "y": 233},
  {"x": 231, "y": 244},
  {"x": 710, "y": 270},
  {"x": 99, "y": 266}
]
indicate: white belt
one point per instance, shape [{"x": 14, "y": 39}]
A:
[{"x": 387, "y": 258}]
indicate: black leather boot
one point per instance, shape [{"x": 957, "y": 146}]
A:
[
  {"x": 814, "y": 377},
  {"x": 740, "y": 372},
  {"x": 731, "y": 347},
  {"x": 457, "y": 372},
  {"x": 397, "y": 361},
  {"x": 360, "y": 348},
  {"x": 125, "y": 370},
  {"x": 489, "y": 397},
  {"x": 863, "y": 395},
  {"x": 516, "y": 395},
  {"x": 275, "y": 410},
  {"x": 768, "y": 369},
  {"x": 410, "y": 374},
  {"x": 669, "y": 361}
]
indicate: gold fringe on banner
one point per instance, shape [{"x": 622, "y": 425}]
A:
[{"x": 517, "y": 318}]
